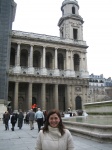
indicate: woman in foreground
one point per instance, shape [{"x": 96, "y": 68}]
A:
[{"x": 54, "y": 136}]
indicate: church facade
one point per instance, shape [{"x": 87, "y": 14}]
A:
[{"x": 47, "y": 70}]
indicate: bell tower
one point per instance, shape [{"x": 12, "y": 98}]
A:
[{"x": 71, "y": 23}]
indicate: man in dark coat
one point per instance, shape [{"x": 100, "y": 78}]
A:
[
  {"x": 13, "y": 121},
  {"x": 6, "y": 120},
  {"x": 20, "y": 119}
]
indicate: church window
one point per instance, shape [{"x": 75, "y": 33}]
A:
[
  {"x": 75, "y": 34},
  {"x": 73, "y": 10},
  {"x": 76, "y": 62}
]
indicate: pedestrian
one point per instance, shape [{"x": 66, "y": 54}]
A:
[
  {"x": 20, "y": 119},
  {"x": 39, "y": 117},
  {"x": 6, "y": 120},
  {"x": 13, "y": 121},
  {"x": 54, "y": 135},
  {"x": 16, "y": 115},
  {"x": 27, "y": 118},
  {"x": 31, "y": 119},
  {"x": 45, "y": 116}
]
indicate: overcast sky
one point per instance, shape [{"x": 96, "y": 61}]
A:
[{"x": 42, "y": 16}]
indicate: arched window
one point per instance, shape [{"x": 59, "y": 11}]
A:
[
  {"x": 76, "y": 62},
  {"x": 36, "y": 59},
  {"x": 12, "y": 57},
  {"x": 78, "y": 103},
  {"x": 75, "y": 34},
  {"x": 60, "y": 61},
  {"x": 73, "y": 10},
  {"x": 48, "y": 60},
  {"x": 24, "y": 58}
]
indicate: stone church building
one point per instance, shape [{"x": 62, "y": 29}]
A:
[{"x": 47, "y": 70}]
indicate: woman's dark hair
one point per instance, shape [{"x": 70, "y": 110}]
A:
[{"x": 60, "y": 125}]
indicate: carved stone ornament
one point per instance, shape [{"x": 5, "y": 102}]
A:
[{"x": 78, "y": 89}]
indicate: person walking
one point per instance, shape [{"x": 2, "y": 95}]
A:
[
  {"x": 39, "y": 117},
  {"x": 27, "y": 118},
  {"x": 31, "y": 118},
  {"x": 20, "y": 119},
  {"x": 45, "y": 116},
  {"x": 13, "y": 121},
  {"x": 6, "y": 120},
  {"x": 54, "y": 135}
]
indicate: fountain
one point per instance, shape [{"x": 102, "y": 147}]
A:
[{"x": 97, "y": 128}]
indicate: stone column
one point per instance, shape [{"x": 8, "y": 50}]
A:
[
  {"x": 55, "y": 58},
  {"x": 29, "y": 95},
  {"x": 43, "y": 57},
  {"x": 16, "y": 96},
  {"x": 44, "y": 70},
  {"x": 72, "y": 66},
  {"x": 68, "y": 96},
  {"x": 31, "y": 57},
  {"x": 84, "y": 92},
  {"x": 56, "y": 104},
  {"x": 17, "y": 68},
  {"x": 56, "y": 70},
  {"x": 43, "y": 96},
  {"x": 86, "y": 68},
  {"x": 71, "y": 61},
  {"x": 68, "y": 71},
  {"x": 30, "y": 61},
  {"x": 18, "y": 55},
  {"x": 41, "y": 61},
  {"x": 73, "y": 97},
  {"x": 81, "y": 63},
  {"x": 66, "y": 59}
]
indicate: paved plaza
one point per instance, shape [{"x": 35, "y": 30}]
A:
[{"x": 25, "y": 139}]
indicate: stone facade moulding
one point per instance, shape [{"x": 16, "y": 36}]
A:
[{"x": 48, "y": 80}]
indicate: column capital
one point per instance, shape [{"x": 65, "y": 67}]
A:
[
  {"x": 56, "y": 47},
  {"x": 19, "y": 43}
]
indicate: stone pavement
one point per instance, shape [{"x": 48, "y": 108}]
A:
[{"x": 25, "y": 139}]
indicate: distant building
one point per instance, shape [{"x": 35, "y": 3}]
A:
[{"x": 100, "y": 89}]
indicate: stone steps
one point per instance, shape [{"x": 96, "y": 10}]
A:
[{"x": 99, "y": 133}]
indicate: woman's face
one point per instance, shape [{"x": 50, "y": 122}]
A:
[{"x": 54, "y": 120}]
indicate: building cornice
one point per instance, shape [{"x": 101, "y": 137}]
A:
[
  {"x": 49, "y": 80},
  {"x": 47, "y": 38}
]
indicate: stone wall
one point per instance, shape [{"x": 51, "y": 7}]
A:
[{"x": 99, "y": 108}]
